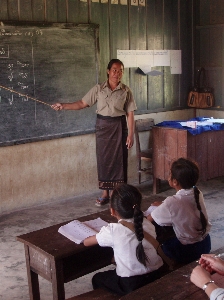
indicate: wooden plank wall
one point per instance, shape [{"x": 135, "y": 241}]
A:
[
  {"x": 209, "y": 42},
  {"x": 126, "y": 24}
]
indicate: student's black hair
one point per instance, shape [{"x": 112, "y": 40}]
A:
[
  {"x": 186, "y": 172},
  {"x": 114, "y": 61},
  {"x": 126, "y": 200}
]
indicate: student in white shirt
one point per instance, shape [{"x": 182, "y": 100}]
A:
[
  {"x": 137, "y": 262},
  {"x": 201, "y": 275},
  {"x": 186, "y": 212}
]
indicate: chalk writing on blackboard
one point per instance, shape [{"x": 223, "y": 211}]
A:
[
  {"x": 14, "y": 71},
  {"x": 4, "y": 51},
  {"x": 31, "y": 33},
  {"x": 22, "y": 95},
  {"x": 46, "y": 63}
]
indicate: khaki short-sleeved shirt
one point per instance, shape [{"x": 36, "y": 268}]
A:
[{"x": 111, "y": 103}]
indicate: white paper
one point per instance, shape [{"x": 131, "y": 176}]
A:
[
  {"x": 96, "y": 224},
  {"x": 175, "y": 62},
  {"x": 192, "y": 124},
  {"x": 144, "y": 58},
  {"x": 128, "y": 57},
  {"x": 205, "y": 123},
  {"x": 208, "y": 122},
  {"x": 149, "y": 210},
  {"x": 217, "y": 120},
  {"x": 77, "y": 231},
  {"x": 162, "y": 58},
  {"x": 145, "y": 68}
]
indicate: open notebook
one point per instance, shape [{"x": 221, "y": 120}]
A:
[{"x": 77, "y": 231}]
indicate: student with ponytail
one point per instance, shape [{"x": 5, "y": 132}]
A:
[
  {"x": 186, "y": 212},
  {"x": 137, "y": 262}
]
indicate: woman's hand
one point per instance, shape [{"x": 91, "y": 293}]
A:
[
  {"x": 130, "y": 141},
  {"x": 131, "y": 122},
  {"x": 80, "y": 104},
  {"x": 57, "y": 106}
]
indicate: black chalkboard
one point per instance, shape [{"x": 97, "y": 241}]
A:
[{"x": 50, "y": 63}]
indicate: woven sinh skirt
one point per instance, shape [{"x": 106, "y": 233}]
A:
[{"x": 111, "y": 151}]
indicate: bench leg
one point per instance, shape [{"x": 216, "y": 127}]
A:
[{"x": 34, "y": 289}]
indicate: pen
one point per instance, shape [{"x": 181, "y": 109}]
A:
[{"x": 218, "y": 255}]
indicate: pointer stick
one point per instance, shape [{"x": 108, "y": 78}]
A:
[{"x": 12, "y": 91}]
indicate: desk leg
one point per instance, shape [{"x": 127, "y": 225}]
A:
[
  {"x": 57, "y": 280},
  {"x": 156, "y": 185},
  {"x": 34, "y": 289}
]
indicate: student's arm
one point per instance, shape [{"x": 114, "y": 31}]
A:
[
  {"x": 90, "y": 241},
  {"x": 154, "y": 204},
  {"x": 149, "y": 218},
  {"x": 200, "y": 277},
  {"x": 131, "y": 122},
  {"x": 212, "y": 263},
  {"x": 157, "y": 203},
  {"x": 70, "y": 106}
]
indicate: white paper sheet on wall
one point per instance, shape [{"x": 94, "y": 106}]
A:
[
  {"x": 146, "y": 59},
  {"x": 145, "y": 68},
  {"x": 175, "y": 62},
  {"x": 162, "y": 58},
  {"x": 128, "y": 57}
]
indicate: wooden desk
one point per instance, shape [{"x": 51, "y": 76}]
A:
[
  {"x": 175, "y": 285},
  {"x": 207, "y": 149},
  {"x": 59, "y": 260}
]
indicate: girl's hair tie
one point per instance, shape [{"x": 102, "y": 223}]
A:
[{"x": 135, "y": 205}]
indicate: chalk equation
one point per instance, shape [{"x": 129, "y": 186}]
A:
[
  {"x": 30, "y": 33},
  {"x": 4, "y": 51},
  {"x": 17, "y": 74},
  {"x": 17, "y": 67}
]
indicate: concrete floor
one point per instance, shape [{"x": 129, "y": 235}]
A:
[{"x": 13, "y": 278}]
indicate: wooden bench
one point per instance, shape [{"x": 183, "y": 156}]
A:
[
  {"x": 172, "y": 286},
  {"x": 95, "y": 295},
  {"x": 105, "y": 295},
  {"x": 175, "y": 285}
]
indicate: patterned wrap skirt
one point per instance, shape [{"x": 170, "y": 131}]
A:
[{"x": 111, "y": 151}]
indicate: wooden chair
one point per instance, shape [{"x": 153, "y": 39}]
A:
[{"x": 143, "y": 125}]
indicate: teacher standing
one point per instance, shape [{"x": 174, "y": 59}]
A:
[{"x": 114, "y": 127}]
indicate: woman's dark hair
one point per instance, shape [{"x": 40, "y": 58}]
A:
[
  {"x": 126, "y": 200},
  {"x": 186, "y": 172},
  {"x": 114, "y": 61}
]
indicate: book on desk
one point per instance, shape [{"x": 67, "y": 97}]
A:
[{"x": 77, "y": 231}]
